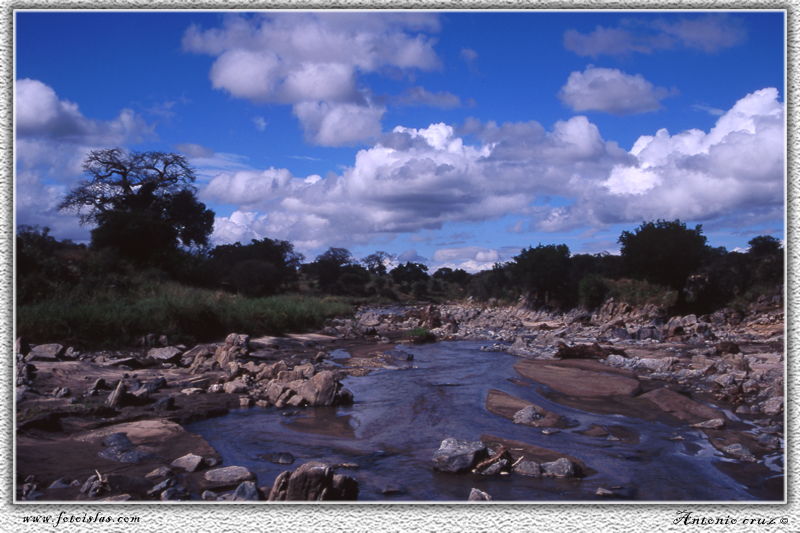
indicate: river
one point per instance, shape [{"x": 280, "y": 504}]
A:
[{"x": 400, "y": 416}]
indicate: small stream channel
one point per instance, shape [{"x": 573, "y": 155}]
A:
[{"x": 400, "y": 416}]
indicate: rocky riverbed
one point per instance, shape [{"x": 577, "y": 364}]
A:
[{"x": 110, "y": 425}]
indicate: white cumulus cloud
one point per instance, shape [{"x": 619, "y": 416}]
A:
[
  {"x": 415, "y": 180},
  {"x": 314, "y": 62},
  {"x": 52, "y": 139}
]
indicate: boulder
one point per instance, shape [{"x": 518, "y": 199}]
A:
[
  {"x": 45, "y": 352},
  {"x": 476, "y": 495},
  {"x": 457, "y": 456},
  {"x": 236, "y": 387},
  {"x": 528, "y": 468},
  {"x": 561, "y": 468},
  {"x": 247, "y": 491},
  {"x": 773, "y": 406},
  {"x": 528, "y": 415},
  {"x": 313, "y": 482},
  {"x": 189, "y": 462},
  {"x": 230, "y": 475},
  {"x": 740, "y": 452},
  {"x": 170, "y": 354},
  {"x": 320, "y": 389},
  {"x": 115, "y": 399}
]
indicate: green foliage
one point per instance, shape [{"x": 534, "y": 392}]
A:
[
  {"x": 494, "y": 283},
  {"x": 143, "y": 205},
  {"x": 543, "y": 271},
  {"x": 274, "y": 266},
  {"x": 118, "y": 317},
  {"x": 663, "y": 252},
  {"x": 459, "y": 277},
  {"x": 640, "y": 293},
  {"x": 592, "y": 291},
  {"x": 419, "y": 289},
  {"x": 421, "y": 335},
  {"x": 376, "y": 263},
  {"x": 409, "y": 273}
]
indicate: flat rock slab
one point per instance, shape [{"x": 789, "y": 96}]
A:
[
  {"x": 230, "y": 475},
  {"x": 593, "y": 380},
  {"x": 682, "y": 407},
  {"x": 721, "y": 439},
  {"x": 506, "y": 405},
  {"x": 530, "y": 452},
  {"x": 169, "y": 353}
]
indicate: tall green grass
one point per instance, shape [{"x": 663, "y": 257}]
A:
[
  {"x": 640, "y": 293},
  {"x": 118, "y": 316}
]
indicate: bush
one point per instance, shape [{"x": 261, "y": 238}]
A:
[
  {"x": 592, "y": 291},
  {"x": 421, "y": 335}
]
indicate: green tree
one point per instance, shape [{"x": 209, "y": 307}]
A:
[
  {"x": 409, "y": 273},
  {"x": 766, "y": 260},
  {"x": 273, "y": 263},
  {"x": 663, "y": 252},
  {"x": 376, "y": 262},
  {"x": 543, "y": 271},
  {"x": 142, "y": 203}
]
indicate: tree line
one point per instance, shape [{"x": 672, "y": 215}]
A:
[{"x": 147, "y": 219}]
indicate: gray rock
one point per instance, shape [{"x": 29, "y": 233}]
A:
[
  {"x": 119, "y": 440},
  {"x": 230, "y": 475},
  {"x": 773, "y": 406},
  {"x": 164, "y": 485},
  {"x": 164, "y": 404},
  {"x": 769, "y": 441},
  {"x": 236, "y": 387},
  {"x": 62, "y": 483},
  {"x": 45, "y": 352},
  {"x": 740, "y": 452},
  {"x": 115, "y": 399},
  {"x": 174, "y": 493},
  {"x": 320, "y": 389},
  {"x": 716, "y": 423},
  {"x": 170, "y": 354},
  {"x": 281, "y": 458},
  {"x": 458, "y": 455},
  {"x": 560, "y": 468},
  {"x": 123, "y": 455},
  {"x": 476, "y": 495},
  {"x": 161, "y": 471},
  {"x": 313, "y": 482},
  {"x": 189, "y": 462},
  {"x": 247, "y": 491},
  {"x": 528, "y": 415},
  {"x": 496, "y": 468},
  {"x": 528, "y": 468}
]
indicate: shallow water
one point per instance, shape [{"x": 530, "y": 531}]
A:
[{"x": 401, "y": 416}]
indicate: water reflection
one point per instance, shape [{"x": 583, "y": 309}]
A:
[{"x": 400, "y": 417}]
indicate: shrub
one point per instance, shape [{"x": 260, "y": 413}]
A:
[{"x": 592, "y": 291}]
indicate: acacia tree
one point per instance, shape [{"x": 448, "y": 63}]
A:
[
  {"x": 142, "y": 203},
  {"x": 376, "y": 262}
]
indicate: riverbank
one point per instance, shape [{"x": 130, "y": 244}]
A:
[{"x": 702, "y": 371}]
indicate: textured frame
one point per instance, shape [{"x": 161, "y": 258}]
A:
[{"x": 437, "y": 518}]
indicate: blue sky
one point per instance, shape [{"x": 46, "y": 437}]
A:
[{"x": 451, "y": 138}]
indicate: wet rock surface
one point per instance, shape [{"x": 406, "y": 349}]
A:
[{"x": 107, "y": 425}]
